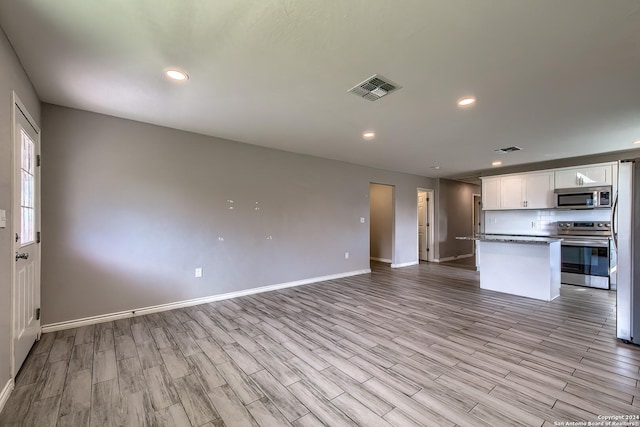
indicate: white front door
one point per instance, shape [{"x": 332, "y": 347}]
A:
[
  {"x": 26, "y": 223},
  {"x": 423, "y": 210}
]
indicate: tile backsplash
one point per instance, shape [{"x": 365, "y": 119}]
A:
[{"x": 537, "y": 222}]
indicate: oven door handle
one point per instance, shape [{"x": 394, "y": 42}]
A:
[{"x": 586, "y": 243}]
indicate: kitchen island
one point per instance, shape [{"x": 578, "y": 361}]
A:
[{"x": 527, "y": 266}]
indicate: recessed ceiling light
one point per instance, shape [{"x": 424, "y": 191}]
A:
[
  {"x": 637, "y": 142},
  {"x": 369, "y": 134},
  {"x": 466, "y": 101},
  {"x": 177, "y": 75},
  {"x": 496, "y": 163},
  {"x": 435, "y": 167}
]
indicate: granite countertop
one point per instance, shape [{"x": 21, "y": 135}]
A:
[{"x": 538, "y": 240}]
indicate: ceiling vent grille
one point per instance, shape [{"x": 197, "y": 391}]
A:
[
  {"x": 374, "y": 88},
  {"x": 507, "y": 150}
]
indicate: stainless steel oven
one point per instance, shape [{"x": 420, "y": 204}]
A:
[{"x": 585, "y": 253}]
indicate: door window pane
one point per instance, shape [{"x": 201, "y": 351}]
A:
[{"x": 27, "y": 189}]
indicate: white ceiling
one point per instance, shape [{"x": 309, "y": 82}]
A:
[{"x": 559, "y": 78}]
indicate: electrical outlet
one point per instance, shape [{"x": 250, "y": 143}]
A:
[
  {"x": 198, "y": 272},
  {"x": 346, "y": 255},
  {"x": 361, "y": 220}
]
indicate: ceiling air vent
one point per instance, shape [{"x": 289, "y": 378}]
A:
[
  {"x": 374, "y": 88},
  {"x": 507, "y": 150}
]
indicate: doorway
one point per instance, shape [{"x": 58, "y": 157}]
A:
[
  {"x": 25, "y": 226},
  {"x": 478, "y": 222},
  {"x": 425, "y": 225},
  {"x": 381, "y": 220}
]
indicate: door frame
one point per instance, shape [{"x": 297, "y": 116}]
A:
[
  {"x": 18, "y": 107},
  {"x": 474, "y": 198},
  {"x": 475, "y": 206},
  {"x": 430, "y": 214}
]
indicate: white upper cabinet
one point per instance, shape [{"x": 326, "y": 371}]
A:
[
  {"x": 513, "y": 192},
  {"x": 526, "y": 191},
  {"x": 539, "y": 190},
  {"x": 534, "y": 190},
  {"x": 490, "y": 193},
  {"x": 586, "y": 176}
]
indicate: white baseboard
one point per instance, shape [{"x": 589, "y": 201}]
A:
[
  {"x": 70, "y": 324},
  {"x": 5, "y": 393},
  {"x": 405, "y": 264},
  {"x": 388, "y": 261}
]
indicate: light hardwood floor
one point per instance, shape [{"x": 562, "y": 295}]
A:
[{"x": 421, "y": 345}]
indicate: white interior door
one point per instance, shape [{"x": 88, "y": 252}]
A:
[
  {"x": 422, "y": 226},
  {"x": 26, "y": 223}
]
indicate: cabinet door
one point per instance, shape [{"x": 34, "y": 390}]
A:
[
  {"x": 539, "y": 191},
  {"x": 596, "y": 175},
  {"x": 512, "y": 192},
  {"x": 589, "y": 176},
  {"x": 490, "y": 194},
  {"x": 567, "y": 178}
]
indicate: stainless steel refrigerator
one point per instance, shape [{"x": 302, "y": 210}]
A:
[{"x": 626, "y": 232}]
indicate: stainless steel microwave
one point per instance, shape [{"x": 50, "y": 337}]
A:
[{"x": 583, "y": 197}]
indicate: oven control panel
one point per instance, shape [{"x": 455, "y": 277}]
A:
[{"x": 584, "y": 228}]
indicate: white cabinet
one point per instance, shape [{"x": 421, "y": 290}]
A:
[
  {"x": 525, "y": 191},
  {"x": 490, "y": 193},
  {"x": 539, "y": 190},
  {"x": 534, "y": 190},
  {"x": 586, "y": 176},
  {"x": 513, "y": 192}
]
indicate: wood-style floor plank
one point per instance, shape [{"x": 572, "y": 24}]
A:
[
  {"x": 267, "y": 414},
  {"x": 286, "y": 401}
]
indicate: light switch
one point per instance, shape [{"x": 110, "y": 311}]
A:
[
  {"x": 3, "y": 218},
  {"x": 361, "y": 220}
]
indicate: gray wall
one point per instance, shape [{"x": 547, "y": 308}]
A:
[
  {"x": 12, "y": 78},
  {"x": 131, "y": 209},
  {"x": 381, "y": 221},
  {"x": 455, "y": 207}
]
